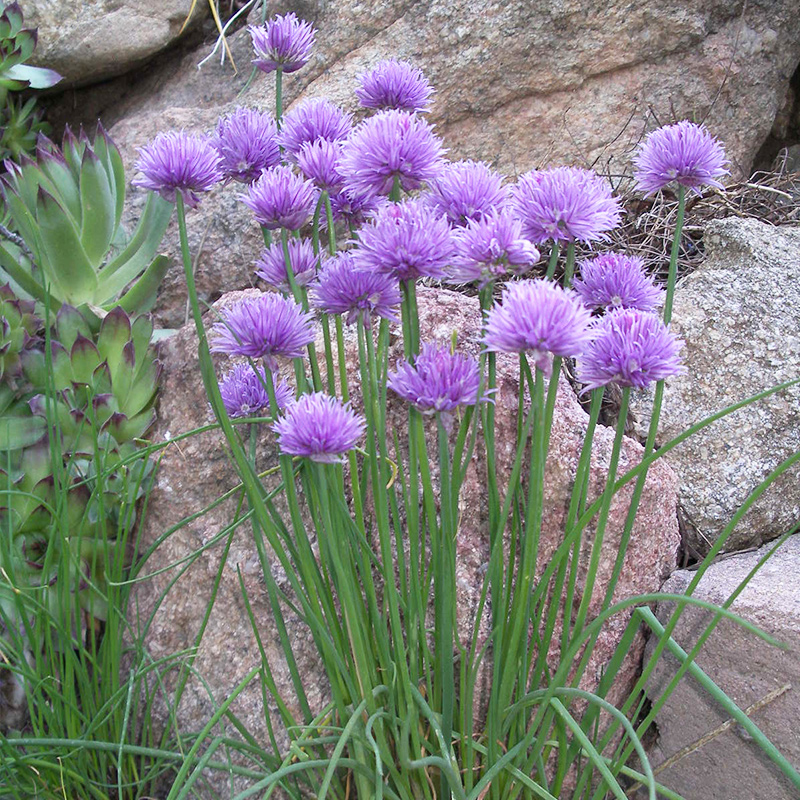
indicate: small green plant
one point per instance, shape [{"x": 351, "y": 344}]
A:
[
  {"x": 67, "y": 205},
  {"x": 20, "y": 122}
]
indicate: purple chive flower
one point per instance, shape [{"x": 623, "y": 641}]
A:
[
  {"x": 247, "y": 141},
  {"x": 406, "y": 240},
  {"x": 177, "y": 162},
  {"x": 353, "y": 210},
  {"x": 394, "y": 84},
  {"x": 264, "y": 327},
  {"x": 490, "y": 247},
  {"x": 310, "y": 120},
  {"x": 317, "y": 161},
  {"x": 614, "y": 280},
  {"x": 389, "y": 145},
  {"x": 630, "y": 348},
  {"x": 342, "y": 288},
  {"x": 284, "y": 42},
  {"x": 439, "y": 381},
  {"x": 538, "y": 317},
  {"x": 685, "y": 153},
  {"x": 271, "y": 266},
  {"x": 244, "y": 391},
  {"x": 319, "y": 427},
  {"x": 565, "y": 204},
  {"x": 465, "y": 190},
  {"x": 281, "y": 199}
]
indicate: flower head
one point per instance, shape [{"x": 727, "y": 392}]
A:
[
  {"x": 281, "y": 199},
  {"x": 394, "y": 84},
  {"x": 630, "y": 348},
  {"x": 177, "y": 162},
  {"x": 439, "y": 381},
  {"x": 565, "y": 204},
  {"x": 353, "y": 210},
  {"x": 391, "y": 144},
  {"x": 319, "y": 427},
  {"x": 264, "y": 327},
  {"x": 614, "y": 280},
  {"x": 490, "y": 247},
  {"x": 465, "y": 190},
  {"x": 406, "y": 240},
  {"x": 539, "y": 317},
  {"x": 283, "y": 42},
  {"x": 318, "y": 162},
  {"x": 685, "y": 153},
  {"x": 271, "y": 266},
  {"x": 310, "y": 120},
  {"x": 343, "y": 288},
  {"x": 247, "y": 142},
  {"x": 244, "y": 391}
]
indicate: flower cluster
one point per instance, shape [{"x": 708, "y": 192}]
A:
[
  {"x": 281, "y": 199},
  {"x": 565, "y": 204},
  {"x": 319, "y": 427},
  {"x": 490, "y": 247},
  {"x": 271, "y": 266},
  {"x": 244, "y": 391},
  {"x": 406, "y": 240},
  {"x": 343, "y": 288},
  {"x": 541, "y": 318},
  {"x": 394, "y": 84},
  {"x": 247, "y": 143},
  {"x": 615, "y": 280},
  {"x": 265, "y": 327},
  {"x": 392, "y": 145},
  {"x": 685, "y": 153},
  {"x": 465, "y": 190},
  {"x": 630, "y": 348},
  {"x": 312, "y": 120},
  {"x": 176, "y": 162},
  {"x": 284, "y": 43},
  {"x": 439, "y": 380}
]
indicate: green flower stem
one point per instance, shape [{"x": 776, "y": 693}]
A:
[
  {"x": 608, "y": 493},
  {"x": 342, "y": 357},
  {"x": 577, "y": 504},
  {"x": 346, "y": 581},
  {"x": 673, "y": 255},
  {"x": 515, "y": 644},
  {"x": 331, "y": 226},
  {"x": 377, "y": 424},
  {"x": 266, "y": 234},
  {"x": 302, "y": 300},
  {"x": 394, "y": 194},
  {"x": 279, "y": 96},
  {"x": 445, "y": 596},
  {"x": 569, "y": 267},
  {"x": 330, "y": 373},
  {"x": 551, "y": 265}
]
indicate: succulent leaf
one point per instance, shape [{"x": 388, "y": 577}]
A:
[{"x": 98, "y": 206}]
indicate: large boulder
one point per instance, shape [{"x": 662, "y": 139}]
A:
[
  {"x": 194, "y": 472},
  {"x": 519, "y": 84},
  {"x": 93, "y": 40},
  {"x": 762, "y": 679},
  {"x": 737, "y": 314}
]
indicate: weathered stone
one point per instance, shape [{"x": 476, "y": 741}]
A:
[
  {"x": 519, "y": 85},
  {"x": 737, "y": 316},
  {"x": 731, "y": 766},
  {"x": 96, "y": 39},
  {"x": 196, "y": 471}
]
